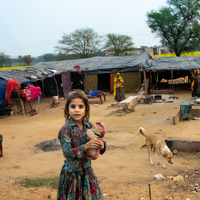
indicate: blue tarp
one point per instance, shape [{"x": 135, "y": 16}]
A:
[{"x": 3, "y": 84}]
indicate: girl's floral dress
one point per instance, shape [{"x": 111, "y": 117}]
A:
[{"x": 77, "y": 179}]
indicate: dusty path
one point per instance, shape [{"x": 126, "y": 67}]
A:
[{"x": 123, "y": 172}]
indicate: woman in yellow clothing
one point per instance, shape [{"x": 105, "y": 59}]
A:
[
  {"x": 196, "y": 84},
  {"x": 118, "y": 88}
]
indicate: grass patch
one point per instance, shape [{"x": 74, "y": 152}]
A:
[
  {"x": 17, "y": 167},
  {"x": 121, "y": 167},
  {"x": 40, "y": 182},
  {"x": 120, "y": 113}
]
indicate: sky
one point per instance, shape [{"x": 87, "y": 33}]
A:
[{"x": 34, "y": 27}]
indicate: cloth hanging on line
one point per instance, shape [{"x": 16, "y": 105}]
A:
[
  {"x": 31, "y": 93},
  {"x": 77, "y": 67},
  {"x": 66, "y": 82},
  {"x": 12, "y": 84}
]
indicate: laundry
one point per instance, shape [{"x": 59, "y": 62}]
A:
[
  {"x": 32, "y": 93},
  {"x": 12, "y": 84}
]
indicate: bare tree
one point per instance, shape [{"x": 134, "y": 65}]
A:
[
  {"x": 83, "y": 42},
  {"x": 119, "y": 44}
]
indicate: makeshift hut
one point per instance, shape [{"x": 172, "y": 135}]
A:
[
  {"x": 4, "y": 77},
  {"x": 170, "y": 68},
  {"x": 96, "y": 73}
]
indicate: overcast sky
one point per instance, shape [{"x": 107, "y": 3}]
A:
[{"x": 33, "y": 27}]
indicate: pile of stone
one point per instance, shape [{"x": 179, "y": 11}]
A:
[{"x": 49, "y": 145}]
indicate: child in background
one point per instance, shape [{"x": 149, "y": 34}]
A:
[
  {"x": 94, "y": 93},
  {"x": 77, "y": 179}
]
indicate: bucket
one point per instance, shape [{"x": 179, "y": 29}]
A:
[{"x": 55, "y": 98}]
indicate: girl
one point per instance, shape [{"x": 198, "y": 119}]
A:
[{"x": 77, "y": 179}]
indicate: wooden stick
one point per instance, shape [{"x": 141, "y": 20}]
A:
[
  {"x": 145, "y": 82},
  {"x": 22, "y": 105},
  {"x": 149, "y": 191}
]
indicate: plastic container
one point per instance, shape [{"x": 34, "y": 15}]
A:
[
  {"x": 197, "y": 100},
  {"x": 55, "y": 98},
  {"x": 186, "y": 110}
]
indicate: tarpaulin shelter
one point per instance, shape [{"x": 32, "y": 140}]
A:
[
  {"x": 99, "y": 72},
  {"x": 172, "y": 63},
  {"x": 3, "y": 84},
  {"x": 171, "y": 67},
  {"x": 4, "y": 77},
  {"x": 96, "y": 72},
  {"x": 12, "y": 84}
]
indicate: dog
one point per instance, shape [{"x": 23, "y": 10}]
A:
[{"x": 154, "y": 143}]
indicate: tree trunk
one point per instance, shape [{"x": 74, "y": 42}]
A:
[{"x": 178, "y": 54}]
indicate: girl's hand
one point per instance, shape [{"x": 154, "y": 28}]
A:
[
  {"x": 93, "y": 144},
  {"x": 101, "y": 144}
]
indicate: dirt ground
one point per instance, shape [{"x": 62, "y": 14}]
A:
[{"x": 123, "y": 171}]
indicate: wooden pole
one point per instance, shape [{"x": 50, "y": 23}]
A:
[
  {"x": 31, "y": 107},
  {"x": 56, "y": 86},
  {"x": 22, "y": 105},
  {"x": 172, "y": 81},
  {"x": 149, "y": 191},
  {"x": 155, "y": 76},
  {"x": 45, "y": 88},
  {"x": 145, "y": 79},
  {"x": 145, "y": 82},
  {"x": 157, "y": 80}
]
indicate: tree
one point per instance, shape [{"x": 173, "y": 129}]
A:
[
  {"x": 119, "y": 44},
  {"x": 3, "y": 59},
  {"x": 177, "y": 25},
  {"x": 83, "y": 42},
  {"x": 48, "y": 57},
  {"x": 19, "y": 59},
  {"x": 27, "y": 59},
  {"x": 61, "y": 56}
]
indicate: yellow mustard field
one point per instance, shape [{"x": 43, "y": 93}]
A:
[
  {"x": 197, "y": 53},
  {"x": 13, "y": 67}
]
